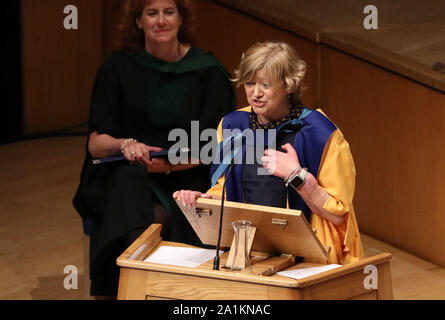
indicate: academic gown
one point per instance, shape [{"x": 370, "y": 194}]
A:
[
  {"x": 321, "y": 147},
  {"x": 142, "y": 97}
]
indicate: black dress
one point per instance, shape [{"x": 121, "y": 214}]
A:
[{"x": 144, "y": 98}]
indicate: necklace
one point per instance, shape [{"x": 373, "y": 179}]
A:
[{"x": 294, "y": 113}]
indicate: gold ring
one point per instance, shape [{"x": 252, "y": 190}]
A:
[{"x": 132, "y": 154}]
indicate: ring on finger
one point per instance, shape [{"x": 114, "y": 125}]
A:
[{"x": 132, "y": 154}]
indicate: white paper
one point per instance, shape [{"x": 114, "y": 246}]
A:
[
  {"x": 307, "y": 272},
  {"x": 181, "y": 256}
]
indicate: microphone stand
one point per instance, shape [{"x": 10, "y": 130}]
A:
[{"x": 216, "y": 260}]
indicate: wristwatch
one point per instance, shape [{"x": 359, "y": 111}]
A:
[{"x": 298, "y": 179}]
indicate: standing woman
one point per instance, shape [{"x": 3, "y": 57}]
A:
[
  {"x": 156, "y": 82},
  {"x": 311, "y": 166}
]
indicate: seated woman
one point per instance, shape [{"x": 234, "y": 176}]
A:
[
  {"x": 156, "y": 81},
  {"x": 313, "y": 170}
]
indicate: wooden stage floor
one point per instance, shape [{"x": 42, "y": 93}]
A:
[{"x": 41, "y": 234}]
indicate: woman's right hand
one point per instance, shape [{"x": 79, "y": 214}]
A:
[
  {"x": 189, "y": 198},
  {"x": 136, "y": 152}
]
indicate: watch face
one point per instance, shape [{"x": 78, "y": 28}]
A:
[{"x": 296, "y": 182}]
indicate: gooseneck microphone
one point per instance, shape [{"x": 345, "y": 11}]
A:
[{"x": 216, "y": 260}]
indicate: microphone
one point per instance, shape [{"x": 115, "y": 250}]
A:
[{"x": 216, "y": 260}]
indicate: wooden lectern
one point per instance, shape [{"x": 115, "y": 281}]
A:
[{"x": 281, "y": 236}]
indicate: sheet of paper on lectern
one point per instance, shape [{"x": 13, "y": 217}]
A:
[
  {"x": 180, "y": 256},
  {"x": 307, "y": 272}
]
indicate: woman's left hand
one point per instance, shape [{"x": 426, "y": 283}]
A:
[
  {"x": 281, "y": 164},
  {"x": 157, "y": 165}
]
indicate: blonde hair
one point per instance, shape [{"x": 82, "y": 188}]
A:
[{"x": 279, "y": 61}]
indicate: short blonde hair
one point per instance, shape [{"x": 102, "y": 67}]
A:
[{"x": 278, "y": 60}]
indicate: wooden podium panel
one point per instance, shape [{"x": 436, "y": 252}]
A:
[{"x": 141, "y": 280}]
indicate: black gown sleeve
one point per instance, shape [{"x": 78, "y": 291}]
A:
[
  {"x": 104, "y": 110},
  {"x": 103, "y": 118}
]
